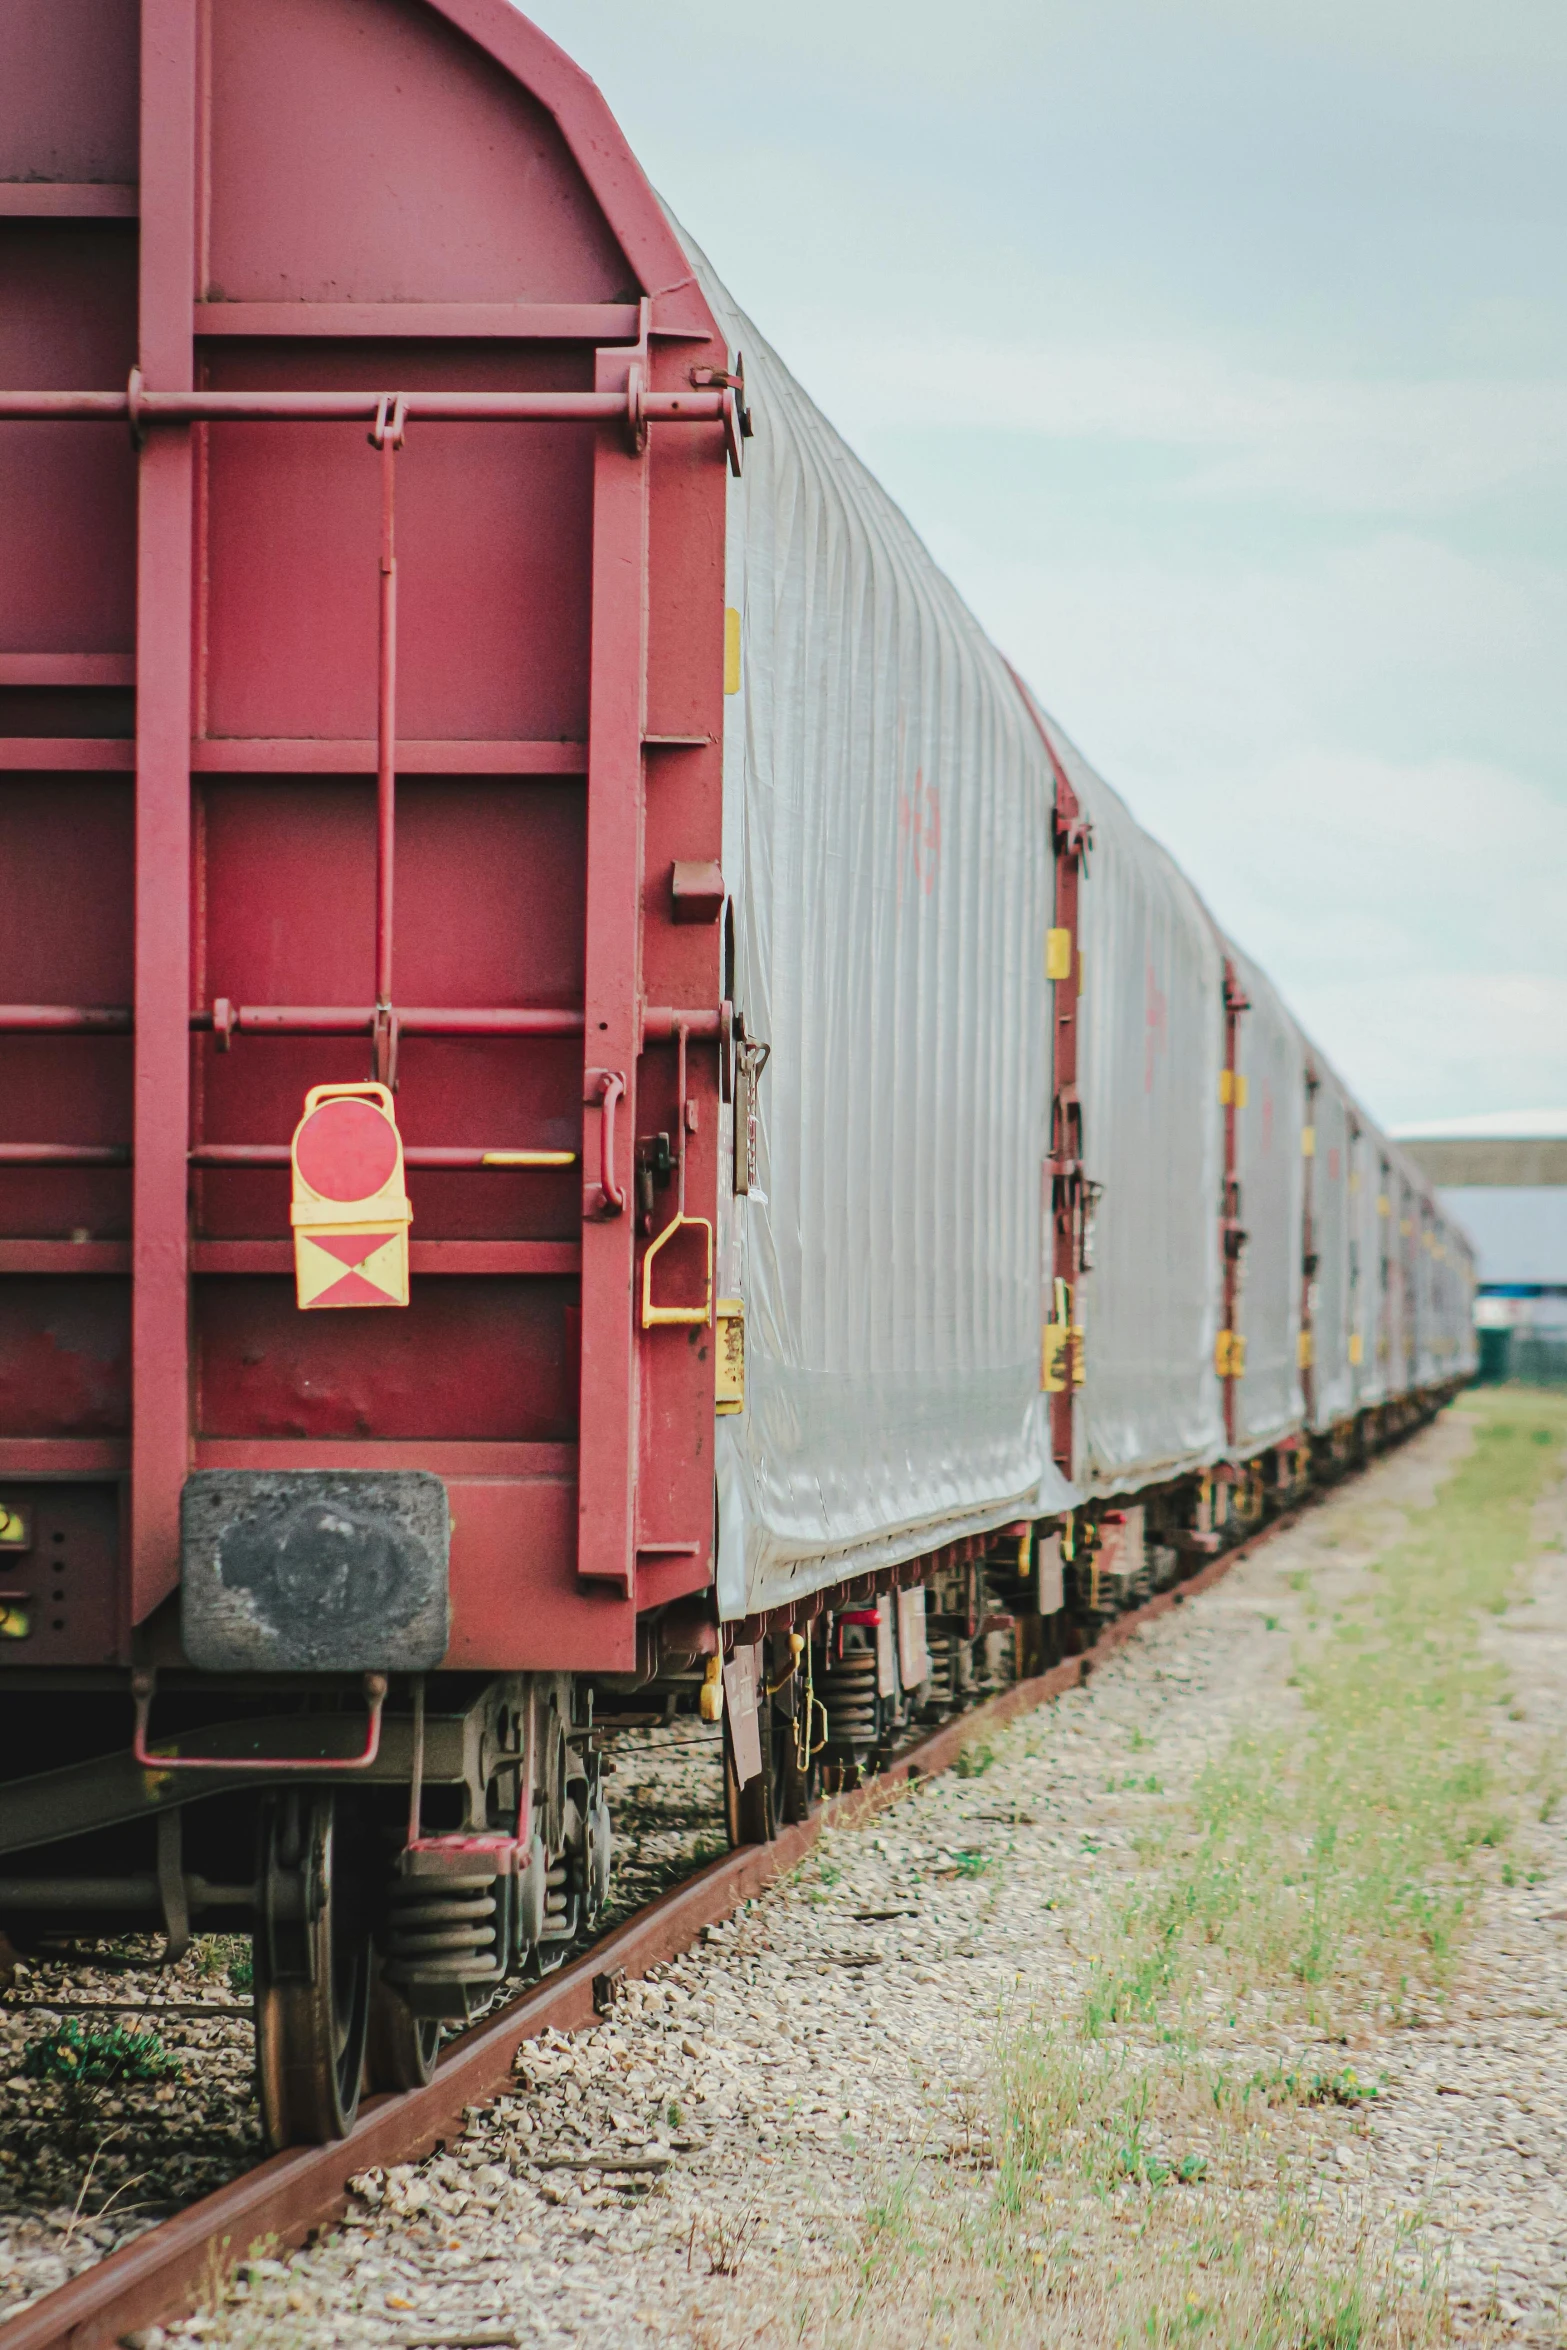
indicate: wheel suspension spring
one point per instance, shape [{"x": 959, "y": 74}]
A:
[
  {"x": 849, "y": 1693},
  {"x": 442, "y": 1929},
  {"x": 557, "y": 1896},
  {"x": 938, "y": 1649}
]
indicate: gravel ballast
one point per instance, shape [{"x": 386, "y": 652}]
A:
[{"x": 718, "y": 2139}]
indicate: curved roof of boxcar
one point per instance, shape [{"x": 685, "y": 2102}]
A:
[{"x": 594, "y": 140}]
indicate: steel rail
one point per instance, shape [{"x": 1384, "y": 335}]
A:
[{"x": 289, "y": 2195}]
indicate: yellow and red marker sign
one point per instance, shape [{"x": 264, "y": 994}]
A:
[{"x": 350, "y": 1213}]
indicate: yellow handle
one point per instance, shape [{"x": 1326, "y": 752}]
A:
[
  {"x": 380, "y": 1094},
  {"x": 652, "y": 1314}
]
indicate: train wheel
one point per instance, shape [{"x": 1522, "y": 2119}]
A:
[
  {"x": 312, "y": 1975},
  {"x": 400, "y": 2047}
]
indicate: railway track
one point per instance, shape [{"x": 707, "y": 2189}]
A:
[{"x": 286, "y": 2197}]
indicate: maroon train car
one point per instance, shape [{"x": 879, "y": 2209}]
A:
[
  {"x": 444, "y": 752},
  {"x": 362, "y": 473}
]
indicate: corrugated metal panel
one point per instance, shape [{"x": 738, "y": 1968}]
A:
[
  {"x": 1271, "y": 1058},
  {"x": 888, "y": 847},
  {"x": 1152, "y": 1047}
]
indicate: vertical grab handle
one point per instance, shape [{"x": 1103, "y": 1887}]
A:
[
  {"x": 603, "y": 1088},
  {"x": 653, "y": 1315}
]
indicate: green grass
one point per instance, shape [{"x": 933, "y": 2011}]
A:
[
  {"x": 1131, "y": 2177},
  {"x": 972, "y": 1864},
  {"x": 1344, "y": 1856},
  {"x": 103, "y": 2055}
]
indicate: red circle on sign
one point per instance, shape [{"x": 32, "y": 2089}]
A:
[{"x": 346, "y": 1150}]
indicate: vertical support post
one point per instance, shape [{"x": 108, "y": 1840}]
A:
[
  {"x": 1308, "y": 1248},
  {"x": 1066, "y": 1117},
  {"x": 387, "y": 436},
  {"x": 1231, "y": 1237},
  {"x": 160, "y": 1344},
  {"x": 617, "y": 700},
  {"x": 1070, "y": 1192}
]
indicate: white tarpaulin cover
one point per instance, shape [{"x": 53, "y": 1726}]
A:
[
  {"x": 1151, "y": 1049},
  {"x": 888, "y": 850}
]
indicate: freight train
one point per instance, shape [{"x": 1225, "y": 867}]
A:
[{"x": 600, "y": 1114}]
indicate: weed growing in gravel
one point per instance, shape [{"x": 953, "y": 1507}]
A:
[
  {"x": 103, "y": 2054},
  {"x": 215, "y": 1955}
]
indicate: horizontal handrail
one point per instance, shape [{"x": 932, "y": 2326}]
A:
[
  {"x": 458, "y": 1158},
  {"x": 228, "y": 1019},
  {"x": 50, "y": 1019},
  {"x": 661, "y": 1023},
  {"x": 139, "y": 407},
  {"x": 65, "y": 1154}
]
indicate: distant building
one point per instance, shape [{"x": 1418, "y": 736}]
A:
[{"x": 1505, "y": 1180}]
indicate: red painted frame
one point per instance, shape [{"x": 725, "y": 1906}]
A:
[
  {"x": 1232, "y": 1237},
  {"x": 1308, "y": 1250},
  {"x": 547, "y": 1534},
  {"x": 1069, "y": 1195}
]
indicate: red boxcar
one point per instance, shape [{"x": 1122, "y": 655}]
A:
[{"x": 362, "y": 607}]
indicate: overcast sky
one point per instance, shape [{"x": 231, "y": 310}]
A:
[{"x": 1218, "y": 348}]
